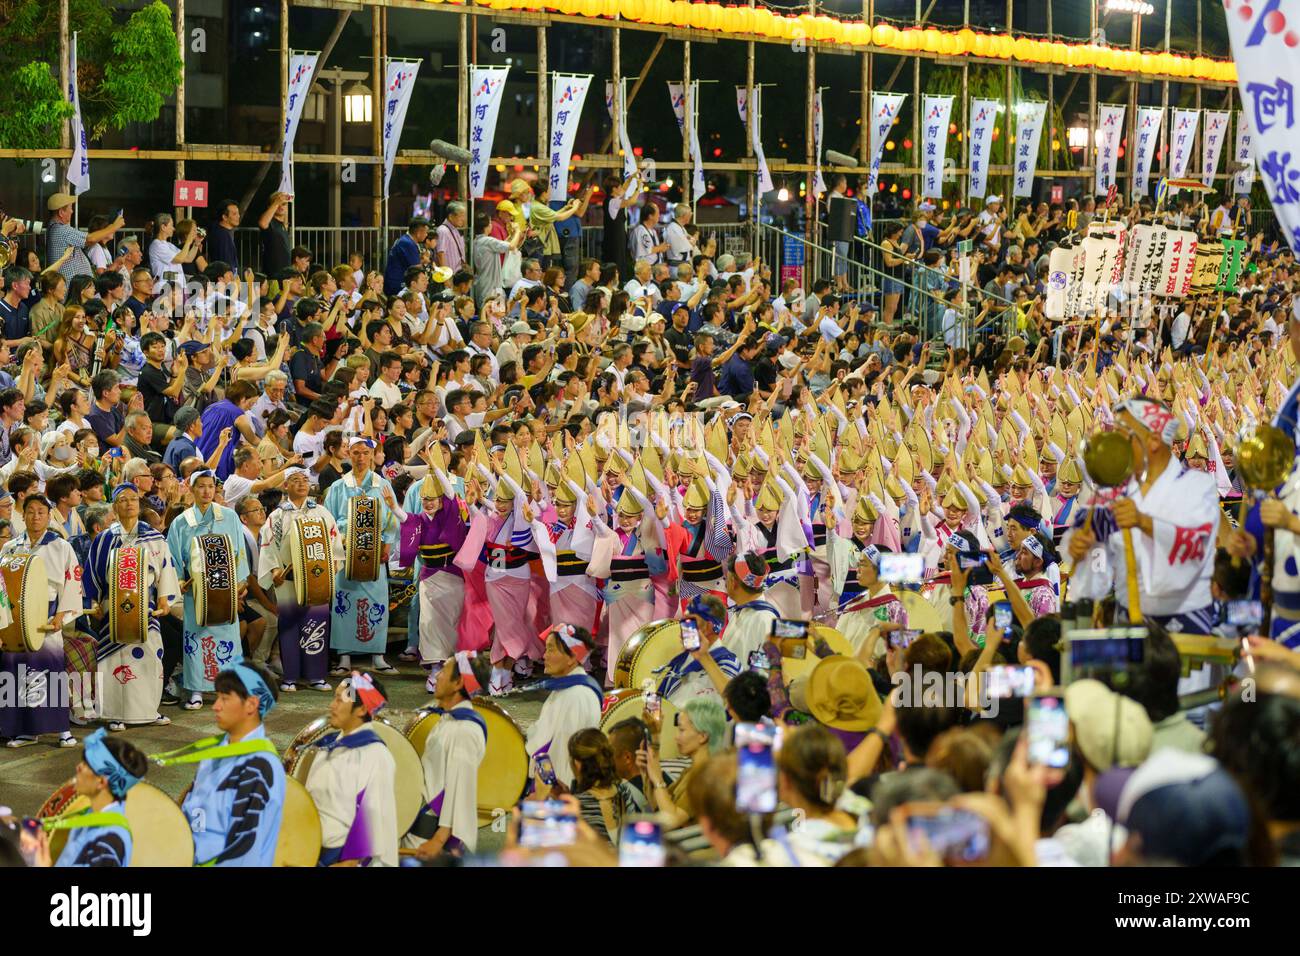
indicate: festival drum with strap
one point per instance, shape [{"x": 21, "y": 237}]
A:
[
  {"x": 29, "y": 600},
  {"x": 650, "y": 647},
  {"x": 160, "y": 833},
  {"x": 312, "y": 562},
  {"x": 128, "y": 596},
  {"x": 921, "y": 614},
  {"x": 408, "y": 785},
  {"x": 212, "y": 573},
  {"x": 627, "y": 702},
  {"x": 503, "y": 774},
  {"x": 300, "y": 831},
  {"x": 361, "y": 550}
]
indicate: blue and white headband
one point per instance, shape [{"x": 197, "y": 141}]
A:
[
  {"x": 872, "y": 554},
  {"x": 124, "y": 486},
  {"x": 198, "y": 473},
  {"x": 254, "y": 684},
  {"x": 699, "y": 609},
  {"x": 99, "y": 759}
]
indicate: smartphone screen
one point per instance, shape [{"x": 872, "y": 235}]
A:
[
  {"x": 1105, "y": 653},
  {"x": 1248, "y": 614},
  {"x": 653, "y": 705},
  {"x": 902, "y": 640},
  {"x": 1010, "y": 680},
  {"x": 641, "y": 844},
  {"x": 546, "y": 823},
  {"x": 756, "y": 769},
  {"x": 901, "y": 568},
  {"x": 951, "y": 833},
  {"x": 966, "y": 560},
  {"x": 690, "y": 634},
  {"x": 1002, "y": 616},
  {"x": 783, "y": 628},
  {"x": 545, "y": 769},
  {"x": 1049, "y": 732},
  {"x": 758, "y": 661}
]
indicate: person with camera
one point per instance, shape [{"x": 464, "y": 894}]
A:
[{"x": 61, "y": 237}]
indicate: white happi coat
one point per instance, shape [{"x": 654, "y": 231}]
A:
[
  {"x": 453, "y": 752},
  {"x": 350, "y": 782},
  {"x": 564, "y": 714}
]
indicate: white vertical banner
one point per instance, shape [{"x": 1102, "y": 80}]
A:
[
  {"x": 983, "y": 118},
  {"x": 693, "y": 141},
  {"x": 1029, "y": 133},
  {"x": 616, "y": 104},
  {"x": 79, "y": 165},
  {"x": 1110, "y": 127},
  {"x": 1268, "y": 72},
  {"x": 1216, "y": 131},
  {"x": 677, "y": 94},
  {"x": 1244, "y": 156},
  {"x": 302, "y": 67},
  {"x": 1182, "y": 137},
  {"x": 885, "y": 108},
  {"x": 819, "y": 124},
  {"x": 1148, "y": 132},
  {"x": 934, "y": 143},
  {"x": 765, "y": 184},
  {"x": 399, "y": 84},
  {"x": 568, "y": 93},
  {"x": 487, "y": 84}
]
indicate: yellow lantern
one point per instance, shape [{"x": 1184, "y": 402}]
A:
[
  {"x": 915, "y": 39},
  {"x": 568, "y": 7},
  {"x": 717, "y": 17},
  {"x": 731, "y": 20},
  {"x": 933, "y": 40},
  {"x": 663, "y": 11},
  {"x": 630, "y": 9},
  {"x": 1146, "y": 63},
  {"x": 823, "y": 28},
  {"x": 1006, "y": 47},
  {"x": 609, "y": 8},
  {"x": 948, "y": 44},
  {"x": 882, "y": 34},
  {"x": 696, "y": 15},
  {"x": 965, "y": 40},
  {"x": 980, "y": 45},
  {"x": 1022, "y": 49}
]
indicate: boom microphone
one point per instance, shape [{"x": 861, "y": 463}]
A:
[
  {"x": 453, "y": 154},
  {"x": 840, "y": 159}
]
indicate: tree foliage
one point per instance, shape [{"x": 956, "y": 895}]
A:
[{"x": 128, "y": 64}]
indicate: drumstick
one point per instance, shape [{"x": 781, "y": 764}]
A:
[
  {"x": 1130, "y": 565},
  {"x": 1242, "y": 509}
]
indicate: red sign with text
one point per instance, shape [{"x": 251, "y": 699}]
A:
[
  {"x": 1058, "y": 194},
  {"x": 190, "y": 192}
]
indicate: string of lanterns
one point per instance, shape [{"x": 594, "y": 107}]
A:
[{"x": 761, "y": 22}]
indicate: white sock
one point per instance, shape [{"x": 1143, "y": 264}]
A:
[
  {"x": 377, "y": 661},
  {"x": 345, "y": 660}
]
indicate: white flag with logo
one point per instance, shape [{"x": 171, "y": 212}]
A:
[
  {"x": 616, "y": 104},
  {"x": 1216, "y": 131},
  {"x": 1110, "y": 126},
  {"x": 1244, "y": 156},
  {"x": 983, "y": 118},
  {"x": 693, "y": 142},
  {"x": 488, "y": 83},
  {"x": 885, "y": 108},
  {"x": 936, "y": 111},
  {"x": 1268, "y": 74},
  {"x": 568, "y": 93},
  {"x": 1182, "y": 136},
  {"x": 399, "y": 84},
  {"x": 677, "y": 94},
  {"x": 819, "y": 183},
  {"x": 79, "y": 165},
  {"x": 1148, "y": 133},
  {"x": 765, "y": 184},
  {"x": 1029, "y": 132},
  {"x": 302, "y": 67}
]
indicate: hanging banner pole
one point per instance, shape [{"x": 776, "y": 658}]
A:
[
  {"x": 399, "y": 84},
  {"x": 302, "y": 67},
  {"x": 78, "y": 173},
  {"x": 487, "y": 83}
]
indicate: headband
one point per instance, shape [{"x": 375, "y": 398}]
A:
[
  {"x": 295, "y": 471},
  {"x": 198, "y": 473},
  {"x": 368, "y": 442},
  {"x": 1025, "y": 521},
  {"x": 568, "y": 636},
  {"x": 697, "y": 607},
  {"x": 254, "y": 684},
  {"x": 467, "y": 678},
  {"x": 740, "y": 568},
  {"x": 1154, "y": 416},
  {"x": 1033, "y": 546},
  {"x": 872, "y": 554},
  {"x": 731, "y": 422},
  {"x": 124, "y": 486},
  {"x": 99, "y": 759},
  {"x": 366, "y": 693}
]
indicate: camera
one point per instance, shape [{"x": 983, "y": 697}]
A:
[{"x": 32, "y": 227}]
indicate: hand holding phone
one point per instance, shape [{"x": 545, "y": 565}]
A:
[
  {"x": 1048, "y": 728},
  {"x": 690, "y": 635}
]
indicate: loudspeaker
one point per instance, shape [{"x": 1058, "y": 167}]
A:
[{"x": 843, "y": 215}]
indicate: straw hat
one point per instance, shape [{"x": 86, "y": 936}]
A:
[{"x": 839, "y": 694}]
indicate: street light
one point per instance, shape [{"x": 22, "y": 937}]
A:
[
  {"x": 357, "y": 103},
  {"x": 1077, "y": 137}
]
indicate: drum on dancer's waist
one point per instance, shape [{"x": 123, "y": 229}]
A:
[
  {"x": 362, "y": 547},
  {"x": 408, "y": 785},
  {"x": 312, "y": 563},
  {"x": 503, "y": 774},
  {"x": 29, "y": 600},
  {"x": 160, "y": 833},
  {"x": 921, "y": 614},
  {"x": 212, "y": 573},
  {"x": 128, "y": 596},
  {"x": 300, "y": 831},
  {"x": 628, "y": 702},
  {"x": 650, "y": 647}
]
